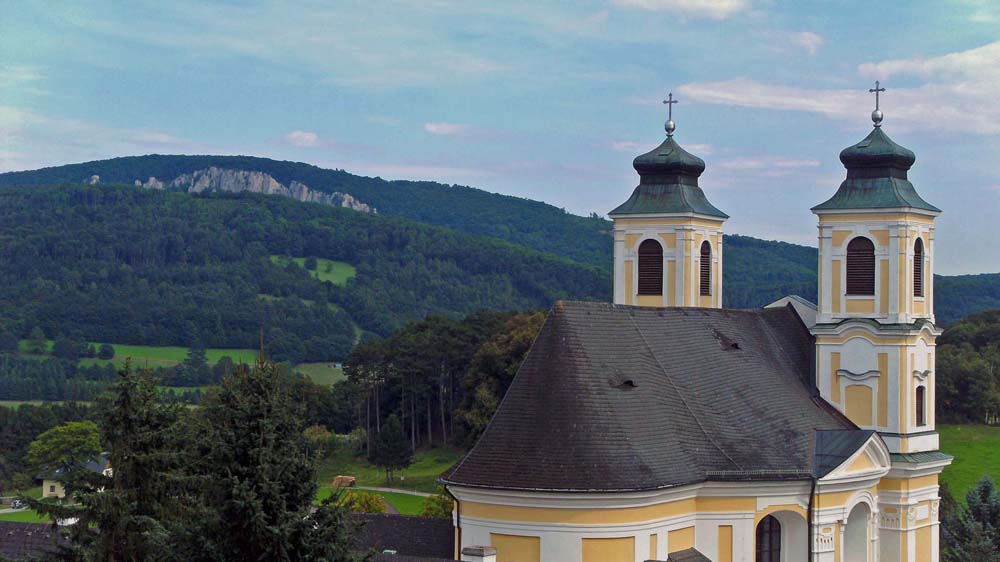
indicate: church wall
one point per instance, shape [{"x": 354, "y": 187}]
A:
[{"x": 719, "y": 519}]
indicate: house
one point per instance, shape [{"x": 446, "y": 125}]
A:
[
  {"x": 663, "y": 426},
  {"x": 53, "y": 488}
]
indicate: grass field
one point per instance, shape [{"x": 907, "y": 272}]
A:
[
  {"x": 976, "y": 449},
  {"x": 15, "y": 404},
  {"x": 336, "y": 272},
  {"x": 421, "y": 476},
  {"x": 406, "y": 504},
  {"x": 321, "y": 373},
  {"x": 154, "y": 355},
  {"x": 24, "y": 516}
]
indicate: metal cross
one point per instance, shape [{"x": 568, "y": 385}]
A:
[
  {"x": 875, "y": 91},
  {"x": 670, "y": 101}
]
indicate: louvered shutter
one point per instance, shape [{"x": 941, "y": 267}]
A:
[
  {"x": 918, "y": 268},
  {"x": 921, "y": 406},
  {"x": 650, "y": 268},
  {"x": 861, "y": 267},
  {"x": 706, "y": 268}
]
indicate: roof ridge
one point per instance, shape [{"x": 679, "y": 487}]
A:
[{"x": 680, "y": 394}]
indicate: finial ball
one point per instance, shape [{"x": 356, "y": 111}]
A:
[
  {"x": 669, "y": 126},
  {"x": 877, "y": 117}
]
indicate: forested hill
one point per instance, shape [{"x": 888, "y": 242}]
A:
[
  {"x": 131, "y": 265},
  {"x": 522, "y": 221},
  {"x": 756, "y": 271}
]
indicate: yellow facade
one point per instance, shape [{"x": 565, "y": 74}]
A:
[
  {"x": 725, "y": 543},
  {"x": 609, "y": 550},
  {"x": 515, "y": 548},
  {"x": 680, "y": 539}
]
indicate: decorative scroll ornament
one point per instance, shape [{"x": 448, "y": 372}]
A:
[
  {"x": 858, "y": 376},
  {"x": 921, "y": 375}
]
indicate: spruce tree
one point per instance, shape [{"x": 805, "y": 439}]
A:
[
  {"x": 392, "y": 449},
  {"x": 971, "y": 533},
  {"x": 128, "y": 513},
  {"x": 259, "y": 476}
]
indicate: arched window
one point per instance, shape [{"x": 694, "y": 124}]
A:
[
  {"x": 706, "y": 268},
  {"x": 918, "y": 268},
  {"x": 861, "y": 267},
  {"x": 650, "y": 268},
  {"x": 768, "y": 540},
  {"x": 921, "y": 405}
]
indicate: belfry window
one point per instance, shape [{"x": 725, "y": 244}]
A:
[
  {"x": 768, "y": 540},
  {"x": 706, "y": 268},
  {"x": 918, "y": 268},
  {"x": 921, "y": 405},
  {"x": 650, "y": 268},
  {"x": 861, "y": 267}
]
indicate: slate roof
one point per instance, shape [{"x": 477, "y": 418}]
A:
[
  {"x": 833, "y": 447},
  {"x": 876, "y": 177},
  {"x": 25, "y": 541},
  {"x": 426, "y": 537},
  {"x": 668, "y": 183},
  {"x": 617, "y": 398}
]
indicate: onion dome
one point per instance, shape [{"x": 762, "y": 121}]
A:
[
  {"x": 876, "y": 177},
  {"x": 668, "y": 183}
]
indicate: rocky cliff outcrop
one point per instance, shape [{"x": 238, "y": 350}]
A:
[{"x": 222, "y": 179}]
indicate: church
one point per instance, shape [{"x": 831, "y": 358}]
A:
[{"x": 666, "y": 427}]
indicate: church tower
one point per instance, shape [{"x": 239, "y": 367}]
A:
[
  {"x": 875, "y": 332},
  {"x": 875, "y": 327},
  {"x": 668, "y": 237}
]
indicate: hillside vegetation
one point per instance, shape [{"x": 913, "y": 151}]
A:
[
  {"x": 147, "y": 267},
  {"x": 756, "y": 271}
]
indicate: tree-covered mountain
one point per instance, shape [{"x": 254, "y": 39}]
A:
[
  {"x": 756, "y": 271},
  {"x": 131, "y": 265},
  {"x": 528, "y": 223}
]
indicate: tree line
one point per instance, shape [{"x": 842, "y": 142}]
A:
[
  {"x": 968, "y": 370},
  {"x": 439, "y": 379},
  {"x": 122, "y": 264},
  {"x": 231, "y": 480}
]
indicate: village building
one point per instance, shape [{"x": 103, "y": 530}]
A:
[{"x": 665, "y": 427}]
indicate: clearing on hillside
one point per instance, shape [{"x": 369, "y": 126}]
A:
[{"x": 336, "y": 272}]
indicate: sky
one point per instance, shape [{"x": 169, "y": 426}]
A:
[{"x": 544, "y": 100}]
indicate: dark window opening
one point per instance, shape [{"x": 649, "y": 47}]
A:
[
  {"x": 918, "y": 268},
  {"x": 706, "y": 268},
  {"x": 650, "y": 268},
  {"x": 768, "y": 540},
  {"x": 921, "y": 405},
  {"x": 861, "y": 267}
]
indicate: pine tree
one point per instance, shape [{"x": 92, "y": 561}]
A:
[
  {"x": 972, "y": 533},
  {"x": 259, "y": 476},
  {"x": 392, "y": 450},
  {"x": 130, "y": 512}
]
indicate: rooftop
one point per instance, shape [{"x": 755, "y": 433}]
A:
[{"x": 619, "y": 398}]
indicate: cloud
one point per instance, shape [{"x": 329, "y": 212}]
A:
[
  {"x": 358, "y": 46},
  {"x": 303, "y": 139},
  {"x": 19, "y": 73},
  {"x": 446, "y": 129},
  {"x": 807, "y": 40},
  {"x": 775, "y": 163},
  {"x": 714, "y": 9},
  {"x": 955, "y": 92},
  {"x": 31, "y": 139}
]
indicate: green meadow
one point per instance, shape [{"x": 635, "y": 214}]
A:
[
  {"x": 421, "y": 476},
  {"x": 976, "y": 449},
  {"x": 325, "y": 374},
  {"x": 406, "y": 504},
  {"x": 336, "y": 272}
]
